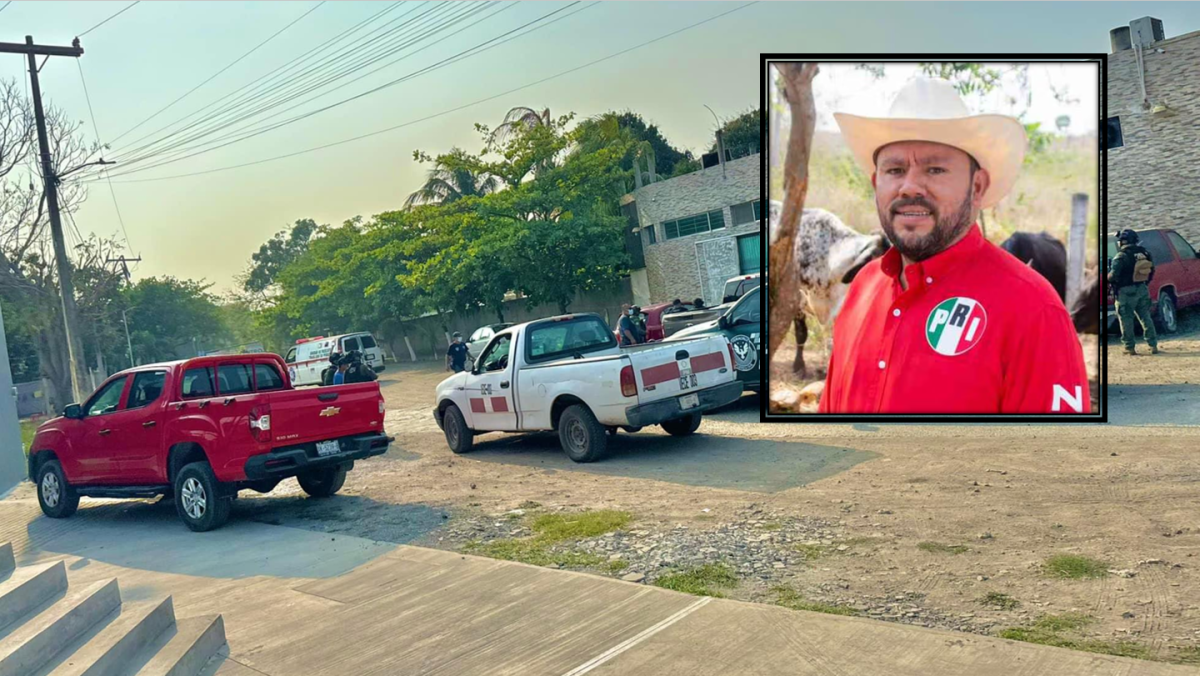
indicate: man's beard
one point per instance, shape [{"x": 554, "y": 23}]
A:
[{"x": 945, "y": 229}]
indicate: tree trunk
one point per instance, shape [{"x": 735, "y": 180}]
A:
[
  {"x": 51, "y": 346},
  {"x": 781, "y": 266}
]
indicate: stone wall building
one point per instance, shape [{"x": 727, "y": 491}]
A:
[
  {"x": 1153, "y": 143},
  {"x": 695, "y": 231}
]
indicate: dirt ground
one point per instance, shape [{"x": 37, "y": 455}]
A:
[{"x": 1006, "y": 498}]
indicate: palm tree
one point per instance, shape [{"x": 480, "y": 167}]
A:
[
  {"x": 520, "y": 118},
  {"x": 453, "y": 177}
]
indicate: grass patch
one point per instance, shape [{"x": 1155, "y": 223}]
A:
[
  {"x": 28, "y": 429},
  {"x": 790, "y": 598},
  {"x": 1074, "y": 567},
  {"x": 771, "y": 525},
  {"x": 811, "y": 552},
  {"x": 998, "y": 600},
  {"x": 1188, "y": 655},
  {"x": 529, "y": 504},
  {"x": 554, "y": 529},
  {"x": 705, "y": 580},
  {"x": 579, "y": 525},
  {"x": 616, "y": 566},
  {"x": 1053, "y": 630},
  {"x": 939, "y": 548}
]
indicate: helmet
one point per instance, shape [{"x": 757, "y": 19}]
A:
[
  {"x": 335, "y": 357},
  {"x": 1127, "y": 235}
]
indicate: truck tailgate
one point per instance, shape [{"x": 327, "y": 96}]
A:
[
  {"x": 314, "y": 414},
  {"x": 665, "y": 370}
]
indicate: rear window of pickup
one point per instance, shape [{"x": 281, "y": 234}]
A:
[{"x": 555, "y": 339}]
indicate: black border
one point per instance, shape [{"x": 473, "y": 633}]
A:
[{"x": 764, "y": 240}]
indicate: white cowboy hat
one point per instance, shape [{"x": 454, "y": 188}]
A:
[{"x": 931, "y": 110}]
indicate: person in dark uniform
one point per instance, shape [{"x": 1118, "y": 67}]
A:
[
  {"x": 327, "y": 375},
  {"x": 456, "y": 354},
  {"x": 1130, "y": 275},
  {"x": 698, "y": 304},
  {"x": 351, "y": 369}
]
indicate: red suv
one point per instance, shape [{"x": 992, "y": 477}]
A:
[{"x": 1176, "y": 282}]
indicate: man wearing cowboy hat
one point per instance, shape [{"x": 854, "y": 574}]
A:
[{"x": 946, "y": 322}]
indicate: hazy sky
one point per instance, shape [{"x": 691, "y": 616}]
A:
[{"x": 207, "y": 226}]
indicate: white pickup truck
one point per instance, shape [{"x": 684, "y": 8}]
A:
[{"x": 568, "y": 374}]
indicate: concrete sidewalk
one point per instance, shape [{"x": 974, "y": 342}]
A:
[{"x": 300, "y": 602}]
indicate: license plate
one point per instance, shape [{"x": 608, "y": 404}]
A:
[
  {"x": 327, "y": 448},
  {"x": 687, "y": 382},
  {"x": 689, "y": 401}
]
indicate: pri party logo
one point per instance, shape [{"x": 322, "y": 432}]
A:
[{"x": 955, "y": 326}]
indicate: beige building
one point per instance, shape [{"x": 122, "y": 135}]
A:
[
  {"x": 1153, "y": 138},
  {"x": 694, "y": 232}
]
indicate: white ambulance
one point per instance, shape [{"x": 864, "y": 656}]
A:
[{"x": 310, "y": 356}]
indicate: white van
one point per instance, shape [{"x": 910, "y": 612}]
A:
[{"x": 310, "y": 356}]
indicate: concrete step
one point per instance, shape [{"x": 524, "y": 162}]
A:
[
  {"x": 113, "y": 649},
  {"x": 41, "y": 637},
  {"x": 196, "y": 641},
  {"x": 8, "y": 563},
  {"x": 30, "y": 587}
]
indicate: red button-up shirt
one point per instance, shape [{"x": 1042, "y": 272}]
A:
[{"x": 977, "y": 332}]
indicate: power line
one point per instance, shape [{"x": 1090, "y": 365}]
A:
[
  {"x": 214, "y": 75},
  {"x": 473, "y": 51},
  {"x": 87, "y": 97},
  {"x": 451, "y": 110},
  {"x": 180, "y": 147},
  {"x": 127, "y": 8},
  {"x": 5, "y": 5}
]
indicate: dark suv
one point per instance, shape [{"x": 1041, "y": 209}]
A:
[{"x": 1176, "y": 282}]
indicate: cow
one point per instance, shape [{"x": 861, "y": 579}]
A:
[
  {"x": 828, "y": 256},
  {"x": 1085, "y": 309},
  {"x": 1043, "y": 253}
]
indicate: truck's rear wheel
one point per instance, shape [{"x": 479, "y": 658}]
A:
[
  {"x": 459, "y": 437},
  {"x": 322, "y": 483},
  {"x": 55, "y": 496},
  {"x": 682, "y": 427},
  {"x": 582, "y": 437},
  {"x": 198, "y": 498}
]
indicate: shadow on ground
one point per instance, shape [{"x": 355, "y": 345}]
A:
[
  {"x": 763, "y": 466},
  {"x": 149, "y": 536},
  {"x": 1153, "y": 404}
]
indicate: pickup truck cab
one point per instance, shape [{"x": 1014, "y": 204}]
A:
[
  {"x": 200, "y": 430},
  {"x": 569, "y": 375}
]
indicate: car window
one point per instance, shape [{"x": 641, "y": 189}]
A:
[
  {"x": 266, "y": 377},
  {"x": 350, "y": 344},
  {"x": 368, "y": 342},
  {"x": 106, "y": 400},
  {"x": 565, "y": 338},
  {"x": 147, "y": 387},
  {"x": 495, "y": 357},
  {"x": 291, "y": 356},
  {"x": 731, "y": 289},
  {"x": 198, "y": 382},
  {"x": 748, "y": 309},
  {"x": 233, "y": 379},
  {"x": 1182, "y": 248},
  {"x": 1156, "y": 244}
]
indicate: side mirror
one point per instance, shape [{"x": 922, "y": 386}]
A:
[
  {"x": 723, "y": 322},
  {"x": 73, "y": 411}
]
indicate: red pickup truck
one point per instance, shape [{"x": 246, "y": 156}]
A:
[{"x": 200, "y": 430}]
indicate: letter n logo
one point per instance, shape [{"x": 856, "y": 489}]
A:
[{"x": 1062, "y": 395}]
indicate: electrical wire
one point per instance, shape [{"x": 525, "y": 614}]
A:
[
  {"x": 450, "y": 110},
  {"x": 214, "y": 75},
  {"x": 6, "y": 5},
  {"x": 95, "y": 127},
  {"x": 250, "y": 134},
  {"x": 127, "y": 8}
]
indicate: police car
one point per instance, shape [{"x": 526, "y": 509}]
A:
[{"x": 310, "y": 356}]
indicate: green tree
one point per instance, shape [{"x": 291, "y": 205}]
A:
[
  {"x": 167, "y": 316},
  {"x": 742, "y": 135},
  {"x": 603, "y": 129},
  {"x": 279, "y": 251},
  {"x": 454, "y": 176}
]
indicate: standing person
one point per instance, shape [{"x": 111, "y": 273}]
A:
[
  {"x": 456, "y": 354},
  {"x": 356, "y": 371},
  {"x": 1130, "y": 275},
  {"x": 625, "y": 326},
  {"x": 343, "y": 365},
  {"x": 639, "y": 324},
  {"x": 946, "y": 322},
  {"x": 327, "y": 375},
  {"x": 698, "y": 304}
]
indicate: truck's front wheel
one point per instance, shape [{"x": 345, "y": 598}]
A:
[
  {"x": 583, "y": 438},
  {"x": 458, "y": 436},
  {"x": 682, "y": 427},
  {"x": 55, "y": 496},
  {"x": 323, "y": 483},
  {"x": 198, "y": 498}
]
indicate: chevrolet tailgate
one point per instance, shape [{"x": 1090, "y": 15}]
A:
[{"x": 315, "y": 414}]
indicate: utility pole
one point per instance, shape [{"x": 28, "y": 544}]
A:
[
  {"x": 79, "y": 374},
  {"x": 128, "y": 342},
  {"x": 124, "y": 264}
]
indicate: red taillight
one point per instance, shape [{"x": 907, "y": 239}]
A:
[
  {"x": 628, "y": 386},
  {"x": 260, "y": 423}
]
